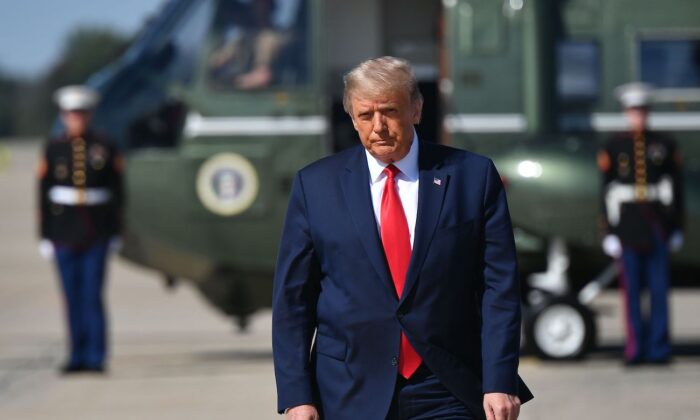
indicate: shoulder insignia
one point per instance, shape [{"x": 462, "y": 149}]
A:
[
  {"x": 603, "y": 161},
  {"x": 42, "y": 169}
]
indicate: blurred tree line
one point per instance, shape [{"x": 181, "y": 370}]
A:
[{"x": 26, "y": 106}]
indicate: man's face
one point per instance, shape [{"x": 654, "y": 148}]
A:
[
  {"x": 76, "y": 122},
  {"x": 385, "y": 123},
  {"x": 637, "y": 118}
]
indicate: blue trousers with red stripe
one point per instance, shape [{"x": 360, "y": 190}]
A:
[
  {"x": 82, "y": 277},
  {"x": 647, "y": 333}
]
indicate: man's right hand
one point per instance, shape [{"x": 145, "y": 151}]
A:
[
  {"x": 302, "y": 412},
  {"x": 46, "y": 249},
  {"x": 612, "y": 246},
  {"x": 675, "y": 243}
]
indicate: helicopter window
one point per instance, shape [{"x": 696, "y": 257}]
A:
[
  {"x": 186, "y": 43},
  {"x": 670, "y": 63},
  {"x": 259, "y": 44},
  {"x": 157, "y": 117},
  {"x": 578, "y": 75}
]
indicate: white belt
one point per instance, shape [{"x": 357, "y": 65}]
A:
[
  {"x": 618, "y": 193},
  {"x": 72, "y": 196}
]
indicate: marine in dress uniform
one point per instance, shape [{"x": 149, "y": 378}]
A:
[
  {"x": 80, "y": 206},
  {"x": 642, "y": 204}
]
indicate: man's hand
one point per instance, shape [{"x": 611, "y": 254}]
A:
[
  {"x": 675, "y": 243},
  {"x": 115, "y": 244},
  {"x": 612, "y": 246},
  {"x": 46, "y": 249},
  {"x": 500, "y": 406},
  {"x": 302, "y": 412}
]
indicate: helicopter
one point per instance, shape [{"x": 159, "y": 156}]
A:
[{"x": 217, "y": 104}]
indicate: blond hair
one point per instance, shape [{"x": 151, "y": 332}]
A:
[{"x": 377, "y": 76}]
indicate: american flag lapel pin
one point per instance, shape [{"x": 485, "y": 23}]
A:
[{"x": 437, "y": 181}]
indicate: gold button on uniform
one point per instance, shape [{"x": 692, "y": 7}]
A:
[
  {"x": 640, "y": 168},
  {"x": 79, "y": 174},
  {"x": 79, "y": 178}
]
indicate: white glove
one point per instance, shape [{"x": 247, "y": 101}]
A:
[
  {"x": 675, "y": 243},
  {"x": 46, "y": 249},
  {"x": 612, "y": 246},
  {"x": 115, "y": 244}
]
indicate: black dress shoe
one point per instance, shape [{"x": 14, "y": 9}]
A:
[
  {"x": 660, "y": 362},
  {"x": 94, "y": 369},
  {"x": 633, "y": 363},
  {"x": 69, "y": 369}
]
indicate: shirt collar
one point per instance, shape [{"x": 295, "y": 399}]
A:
[{"x": 408, "y": 165}]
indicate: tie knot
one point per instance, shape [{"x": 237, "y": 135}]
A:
[{"x": 391, "y": 171}]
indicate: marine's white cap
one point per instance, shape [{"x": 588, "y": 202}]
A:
[
  {"x": 634, "y": 95},
  {"x": 76, "y": 98}
]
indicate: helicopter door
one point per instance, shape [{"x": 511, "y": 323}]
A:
[{"x": 484, "y": 89}]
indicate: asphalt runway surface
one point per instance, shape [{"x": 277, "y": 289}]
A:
[{"x": 174, "y": 357}]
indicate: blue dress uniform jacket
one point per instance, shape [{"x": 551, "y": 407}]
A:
[{"x": 460, "y": 308}]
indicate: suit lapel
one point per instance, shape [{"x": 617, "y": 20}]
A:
[
  {"x": 356, "y": 190},
  {"x": 431, "y": 193}
]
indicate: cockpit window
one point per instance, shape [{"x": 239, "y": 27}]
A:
[
  {"x": 186, "y": 42},
  {"x": 259, "y": 44},
  {"x": 670, "y": 63},
  {"x": 157, "y": 118}
]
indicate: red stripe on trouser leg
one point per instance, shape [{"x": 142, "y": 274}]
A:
[{"x": 631, "y": 342}]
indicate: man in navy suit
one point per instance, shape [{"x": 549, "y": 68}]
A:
[{"x": 396, "y": 289}]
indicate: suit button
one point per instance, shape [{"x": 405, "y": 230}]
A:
[
  {"x": 401, "y": 313},
  {"x": 394, "y": 361}
]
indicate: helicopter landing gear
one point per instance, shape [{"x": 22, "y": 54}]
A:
[
  {"x": 560, "y": 328},
  {"x": 555, "y": 279},
  {"x": 558, "y": 323}
]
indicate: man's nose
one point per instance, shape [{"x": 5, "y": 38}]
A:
[{"x": 378, "y": 123}]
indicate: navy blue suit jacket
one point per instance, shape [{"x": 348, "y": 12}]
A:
[{"x": 460, "y": 307}]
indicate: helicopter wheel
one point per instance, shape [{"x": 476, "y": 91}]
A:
[{"x": 560, "y": 329}]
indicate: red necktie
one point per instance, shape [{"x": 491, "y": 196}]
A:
[{"x": 397, "y": 248}]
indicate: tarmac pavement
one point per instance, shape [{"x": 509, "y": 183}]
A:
[{"x": 174, "y": 357}]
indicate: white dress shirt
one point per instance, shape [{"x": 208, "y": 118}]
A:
[{"x": 406, "y": 184}]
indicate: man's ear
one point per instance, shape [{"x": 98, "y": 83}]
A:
[
  {"x": 354, "y": 124},
  {"x": 417, "y": 111}
]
